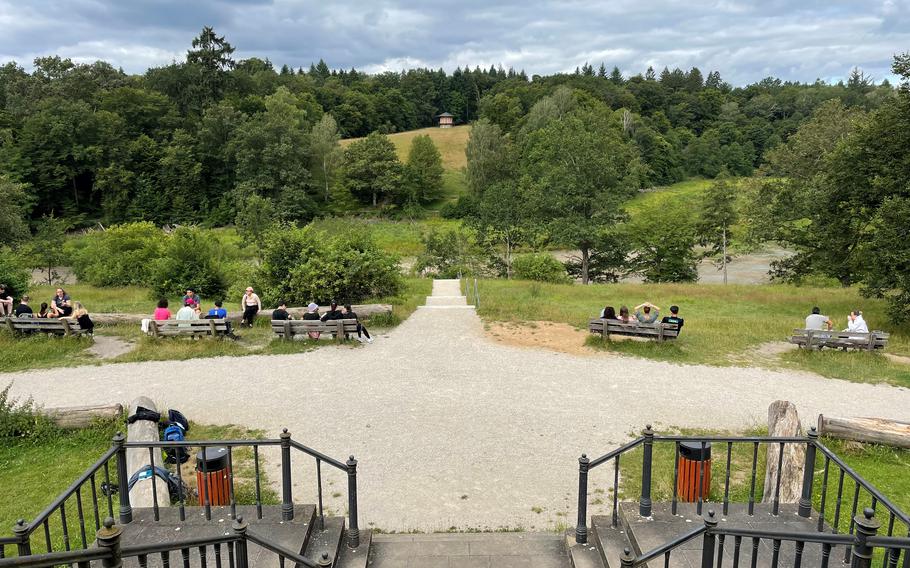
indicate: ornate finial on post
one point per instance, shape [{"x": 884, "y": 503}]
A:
[
  {"x": 108, "y": 536},
  {"x": 644, "y": 502},
  {"x": 581, "y": 527},
  {"x": 626, "y": 560},
  {"x": 353, "y": 523},
  {"x": 866, "y": 526},
  {"x": 324, "y": 560}
]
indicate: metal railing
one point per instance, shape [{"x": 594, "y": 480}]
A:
[
  {"x": 862, "y": 489},
  {"x": 860, "y": 547},
  {"x": 108, "y": 551},
  {"x": 24, "y": 543}
]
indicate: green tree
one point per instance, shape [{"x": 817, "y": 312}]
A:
[
  {"x": 717, "y": 215},
  {"x": 325, "y": 151},
  {"x": 424, "y": 166},
  {"x": 487, "y": 153},
  {"x": 663, "y": 252},
  {"x": 45, "y": 249},
  {"x": 501, "y": 219},
  {"x": 13, "y": 225},
  {"x": 371, "y": 168},
  {"x": 255, "y": 217},
  {"x": 577, "y": 172},
  {"x": 212, "y": 54},
  {"x": 190, "y": 258}
]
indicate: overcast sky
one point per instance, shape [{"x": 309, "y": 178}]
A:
[{"x": 744, "y": 40}]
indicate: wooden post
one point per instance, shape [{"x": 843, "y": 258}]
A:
[
  {"x": 287, "y": 330},
  {"x": 154, "y": 324},
  {"x": 660, "y": 332},
  {"x": 66, "y": 326},
  {"x": 809, "y": 334},
  {"x": 143, "y": 494},
  {"x": 340, "y": 326},
  {"x": 604, "y": 332},
  {"x": 214, "y": 328},
  {"x": 871, "y": 346},
  {"x": 9, "y": 324}
]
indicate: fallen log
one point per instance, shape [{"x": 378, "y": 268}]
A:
[
  {"x": 874, "y": 430},
  {"x": 73, "y": 417},
  {"x": 363, "y": 310}
]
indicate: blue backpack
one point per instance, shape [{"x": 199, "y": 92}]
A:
[{"x": 175, "y": 431}]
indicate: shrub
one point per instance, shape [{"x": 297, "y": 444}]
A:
[
  {"x": 447, "y": 253},
  {"x": 308, "y": 265},
  {"x": 123, "y": 255},
  {"x": 13, "y": 273},
  {"x": 20, "y": 420},
  {"x": 539, "y": 266},
  {"x": 190, "y": 258}
]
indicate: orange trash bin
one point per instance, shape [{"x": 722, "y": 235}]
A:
[
  {"x": 694, "y": 471},
  {"x": 214, "y": 478}
]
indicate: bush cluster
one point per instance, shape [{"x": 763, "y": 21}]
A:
[
  {"x": 20, "y": 420},
  {"x": 13, "y": 273},
  {"x": 539, "y": 266},
  {"x": 307, "y": 265}
]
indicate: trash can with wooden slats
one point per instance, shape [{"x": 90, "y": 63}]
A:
[
  {"x": 694, "y": 471},
  {"x": 213, "y": 476}
]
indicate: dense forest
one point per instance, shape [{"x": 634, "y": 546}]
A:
[{"x": 194, "y": 140}]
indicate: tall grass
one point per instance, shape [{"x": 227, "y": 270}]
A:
[{"x": 725, "y": 325}]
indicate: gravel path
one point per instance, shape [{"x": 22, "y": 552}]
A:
[{"x": 452, "y": 429}]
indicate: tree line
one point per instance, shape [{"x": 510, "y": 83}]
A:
[{"x": 196, "y": 140}]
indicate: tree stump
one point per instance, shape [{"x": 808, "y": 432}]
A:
[
  {"x": 783, "y": 421},
  {"x": 138, "y": 458}
]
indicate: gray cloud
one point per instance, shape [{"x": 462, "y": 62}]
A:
[{"x": 746, "y": 41}]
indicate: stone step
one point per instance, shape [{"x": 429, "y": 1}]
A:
[
  {"x": 610, "y": 540},
  {"x": 325, "y": 539},
  {"x": 583, "y": 555},
  {"x": 446, "y": 301},
  {"x": 645, "y": 534},
  {"x": 355, "y": 557},
  {"x": 447, "y": 287}
]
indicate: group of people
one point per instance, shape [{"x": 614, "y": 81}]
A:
[
  {"x": 643, "y": 313},
  {"x": 251, "y": 305},
  {"x": 60, "y": 306},
  {"x": 820, "y": 322},
  {"x": 333, "y": 313}
]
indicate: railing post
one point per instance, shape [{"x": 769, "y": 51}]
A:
[
  {"x": 354, "y": 528},
  {"x": 626, "y": 560},
  {"x": 240, "y": 555},
  {"x": 644, "y": 505},
  {"x": 581, "y": 529},
  {"x": 707, "y": 550},
  {"x": 287, "y": 501},
  {"x": 123, "y": 479},
  {"x": 20, "y": 530},
  {"x": 108, "y": 536},
  {"x": 866, "y": 525},
  {"x": 805, "y": 500}
]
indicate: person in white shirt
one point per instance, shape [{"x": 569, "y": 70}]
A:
[
  {"x": 856, "y": 323},
  {"x": 250, "y": 304},
  {"x": 817, "y": 321},
  {"x": 187, "y": 312}
]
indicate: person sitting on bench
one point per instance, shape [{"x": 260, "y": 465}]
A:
[
  {"x": 312, "y": 314},
  {"x": 281, "y": 314},
  {"x": 856, "y": 323},
  {"x": 83, "y": 319},
  {"x": 817, "y": 321},
  {"x": 624, "y": 315},
  {"x": 23, "y": 310},
  {"x": 188, "y": 311},
  {"x": 648, "y": 316},
  {"x": 674, "y": 318},
  {"x": 6, "y": 301},
  {"x": 218, "y": 312},
  {"x": 608, "y": 312},
  {"x": 361, "y": 330},
  {"x": 61, "y": 306},
  {"x": 333, "y": 314}
]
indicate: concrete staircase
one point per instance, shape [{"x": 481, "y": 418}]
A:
[
  {"x": 447, "y": 295},
  {"x": 302, "y": 535},
  {"x": 606, "y": 543}
]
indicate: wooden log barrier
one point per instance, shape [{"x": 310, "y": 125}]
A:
[
  {"x": 874, "y": 430},
  {"x": 138, "y": 458},
  {"x": 74, "y": 417}
]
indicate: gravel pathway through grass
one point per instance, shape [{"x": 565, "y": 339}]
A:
[{"x": 452, "y": 429}]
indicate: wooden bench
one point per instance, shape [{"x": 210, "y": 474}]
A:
[
  {"x": 287, "y": 329},
  {"x": 52, "y": 326},
  {"x": 190, "y": 328},
  {"x": 658, "y": 331},
  {"x": 815, "y": 338}
]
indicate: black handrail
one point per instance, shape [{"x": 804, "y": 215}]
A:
[
  {"x": 620, "y": 450},
  {"x": 191, "y": 443},
  {"x": 144, "y": 549},
  {"x": 280, "y": 550},
  {"x": 663, "y": 549},
  {"x": 69, "y": 491},
  {"x": 760, "y": 439},
  {"x": 892, "y": 508},
  {"x": 319, "y": 455},
  {"x": 56, "y": 558}
]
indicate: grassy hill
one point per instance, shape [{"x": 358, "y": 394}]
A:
[{"x": 451, "y": 143}]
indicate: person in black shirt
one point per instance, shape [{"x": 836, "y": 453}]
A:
[
  {"x": 23, "y": 308},
  {"x": 6, "y": 301},
  {"x": 82, "y": 317},
  {"x": 361, "y": 330},
  {"x": 281, "y": 313},
  {"x": 674, "y": 318},
  {"x": 333, "y": 314}
]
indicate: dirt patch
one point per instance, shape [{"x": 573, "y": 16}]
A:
[
  {"x": 107, "y": 347},
  {"x": 541, "y": 334},
  {"x": 900, "y": 359}
]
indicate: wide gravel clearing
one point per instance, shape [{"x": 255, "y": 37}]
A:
[{"x": 452, "y": 429}]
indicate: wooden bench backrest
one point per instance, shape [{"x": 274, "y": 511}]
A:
[
  {"x": 61, "y": 326},
  {"x": 189, "y": 327},
  {"x": 656, "y": 329},
  {"x": 296, "y": 327}
]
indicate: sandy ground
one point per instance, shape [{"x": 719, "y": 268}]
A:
[{"x": 453, "y": 429}]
